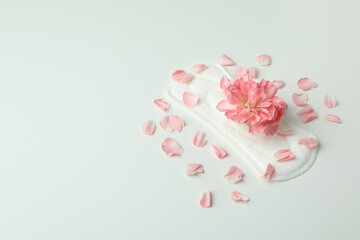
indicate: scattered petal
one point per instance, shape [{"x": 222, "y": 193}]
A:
[
  {"x": 300, "y": 99},
  {"x": 269, "y": 172},
  {"x": 238, "y": 197},
  {"x": 306, "y": 114},
  {"x": 285, "y": 133},
  {"x": 234, "y": 175},
  {"x": 164, "y": 106},
  {"x": 329, "y": 101},
  {"x": 199, "y": 139},
  {"x": 279, "y": 84},
  {"x": 205, "y": 200},
  {"x": 240, "y": 72},
  {"x": 172, "y": 123},
  {"x": 306, "y": 84},
  {"x": 308, "y": 142},
  {"x": 181, "y": 76},
  {"x": 194, "y": 168},
  {"x": 172, "y": 147},
  {"x": 263, "y": 60},
  {"x": 198, "y": 68},
  {"x": 219, "y": 151},
  {"x": 284, "y": 155},
  {"x": 332, "y": 118},
  {"x": 225, "y": 60},
  {"x": 190, "y": 99},
  {"x": 148, "y": 128}
]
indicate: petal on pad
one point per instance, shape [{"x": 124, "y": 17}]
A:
[
  {"x": 269, "y": 172},
  {"x": 285, "y": 133},
  {"x": 224, "y": 83},
  {"x": 148, "y": 128},
  {"x": 225, "y": 60},
  {"x": 263, "y": 60},
  {"x": 172, "y": 123},
  {"x": 279, "y": 84},
  {"x": 234, "y": 175},
  {"x": 198, "y": 68},
  {"x": 306, "y": 84},
  {"x": 329, "y": 101},
  {"x": 306, "y": 114},
  {"x": 219, "y": 151},
  {"x": 164, "y": 106},
  {"x": 224, "y": 105},
  {"x": 199, "y": 139},
  {"x": 300, "y": 99},
  {"x": 238, "y": 197},
  {"x": 308, "y": 142},
  {"x": 284, "y": 155},
  {"x": 190, "y": 99},
  {"x": 205, "y": 200},
  {"x": 332, "y": 118},
  {"x": 181, "y": 76},
  {"x": 194, "y": 168},
  {"x": 172, "y": 147}
]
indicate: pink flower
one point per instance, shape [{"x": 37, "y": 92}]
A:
[{"x": 253, "y": 103}]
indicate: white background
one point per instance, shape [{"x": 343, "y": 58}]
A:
[{"x": 77, "y": 80}]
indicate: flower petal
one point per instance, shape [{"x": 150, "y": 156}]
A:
[
  {"x": 308, "y": 142},
  {"x": 306, "y": 84},
  {"x": 198, "y": 68},
  {"x": 181, "y": 76},
  {"x": 238, "y": 197},
  {"x": 284, "y": 155},
  {"x": 190, "y": 99},
  {"x": 285, "y": 133},
  {"x": 172, "y": 123},
  {"x": 148, "y": 128},
  {"x": 306, "y": 114},
  {"x": 224, "y": 83},
  {"x": 329, "y": 101},
  {"x": 164, "y": 106},
  {"x": 300, "y": 99},
  {"x": 263, "y": 60},
  {"x": 241, "y": 72},
  {"x": 234, "y": 175},
  {"x": 199, "y": 139},
  {"x": 172, "y": 147},
  {"x": 224, "y": 105},
  {"x": 225, "y": 60},
  {"x": 219, "y": 151},
  {"x": 205, "y": 200},
  {"x": 279, "y": 84},
  {"x": 194, "y": 168},
  {"x": 332, "y": 118},
  {"x": 269, "y": 172}
]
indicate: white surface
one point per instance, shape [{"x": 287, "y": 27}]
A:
[{"x": 78, "y": 79}]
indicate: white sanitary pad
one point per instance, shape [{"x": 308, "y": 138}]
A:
[{"x": 257, "y": 150}]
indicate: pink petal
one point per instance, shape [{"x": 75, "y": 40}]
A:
[
  {"x": 225, "y": 60},
  {"x": 148, "y": 128},
  {"x": 269, "y": 172},
  {"x": 224, "y": 105},
  {"x": 308, "y": 142},
  {"x": 190, "y": 99},
  {"x": 234, "y": 175},
  {"x": 263, "y": 60},
  {"x": 306, "y": 84},
  {"x": 285, "y": 133},
  {"x": 238, "y": 197},
  {"x": 240, "y": 72},
  {"x": 224, "y": 83},
  {"x": 332, "y": 118},
  {"x": 300, "y": 99},
  {"x": 172, "y": 123},
  {"x": 279, "y": 84},
  {"x": 199, "y": 139},
  {"x": 306, "y": 114},
  {"x": 164, "y": 106},
  {"x": 219, "y": 151},
  {"x": 198, "y": 68},
  {"x": 193, "y": 169},
  {"x": 205, "y": 200},
  {"x": 171, "y": 147},
  {"x": 181, "y": 76},
  {"x": 329, "y": 101},
  {"x": 284, "y": 155}
]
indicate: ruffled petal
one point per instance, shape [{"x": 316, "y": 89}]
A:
[
  {"x": 308, "y": 142},
  {"x": 269, "y": 172},
  {"x": 284, "y": 155},
  {"x": 224, "y": 83},
  {"x": 263, "y": 60},
  {"x": 329, "y": 101},
  {"x": 238, "y": 197},
  {"x": 306, "y": 114},
  {"x": 225, "y": 60},
  {"x": 219, "y": 151},
  {"x": 172, "y": 123},
  {"x": 194, "y": 168},
  {"x": 279, "y": 84},
  {"x": 181, "y": 76},
  {"x": 172, "y": 147},
  {"x": 285, "y": 133},
  {"x": 240, "y": 72},
  {"x": 306, "y": 84},
  {"x": 148, "y": 128},
  {"x": 198, "y": 68},
  {"x": 205, "y": 200},
  {"x": 332, "y": 118},
  {"x": 164, "y": 106},
  {"x": 199, "y": 139},
  {"x": 190, "y": 99},
  {"x": 234, "y": 175},
  {"x": 300, "y": 99},
  {"x": 224, "y": 106}
]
